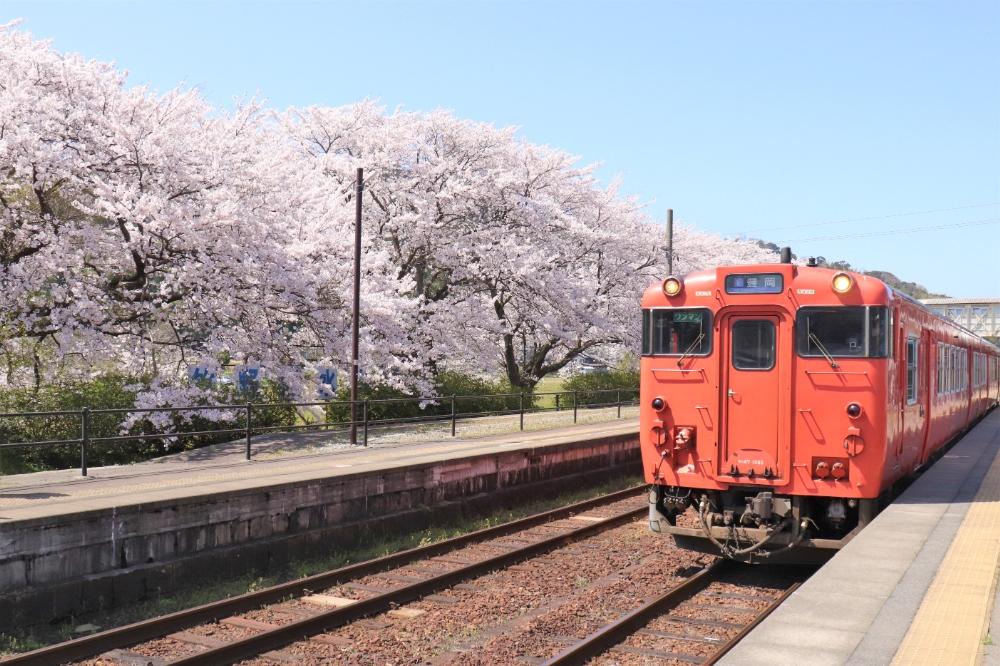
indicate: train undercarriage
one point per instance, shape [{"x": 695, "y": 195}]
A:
[{"x": 749, "y": 524}]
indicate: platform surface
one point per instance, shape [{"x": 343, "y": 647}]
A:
[
  {"x": 44, "y": 494},
  {"x": 917, "y": 586}
]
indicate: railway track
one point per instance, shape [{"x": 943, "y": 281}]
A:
[
  {"x": 264, "y": 638},
  {"x": 342, "y": 615},
  {"x": 710, "y": 637}
]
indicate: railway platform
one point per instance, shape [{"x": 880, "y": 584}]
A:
[
  {"x": 72, "y": 544},
  {"x": 917, "y": 586}
]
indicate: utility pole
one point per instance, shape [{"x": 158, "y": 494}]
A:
[
  {"x": 356, "y": 313},
  {"x": 670, "y": 241}
]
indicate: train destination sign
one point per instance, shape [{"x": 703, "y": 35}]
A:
[{"x": 757, "y": 283}]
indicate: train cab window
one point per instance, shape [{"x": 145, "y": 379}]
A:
[
  {"x": 753, "y": 344},
  {"x": 912, "y": 374},
  {"x": 647, "y": 341},
  {"x": 679, "y": 331},
  {"x": 843, "y": 331}
]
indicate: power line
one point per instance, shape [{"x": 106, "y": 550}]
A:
[
  {"x": 880, "y": 217},
  {"x": 893, "y": 232}
]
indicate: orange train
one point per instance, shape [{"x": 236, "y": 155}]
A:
[{"x": 781, "y": 404}]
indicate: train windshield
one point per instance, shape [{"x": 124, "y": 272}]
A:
[
  {"x": 676, "y": 331},
  {"x": 843, "y": 331}
]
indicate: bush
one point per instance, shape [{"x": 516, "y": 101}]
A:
[
  {"x": 106, "y": 392},
  {"x": 115, "y": 391},
  {"x": 478, "y": 396},
  {"x": 595, "y": 387}
]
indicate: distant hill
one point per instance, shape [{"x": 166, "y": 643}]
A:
[{"x": 909, "y": 288}]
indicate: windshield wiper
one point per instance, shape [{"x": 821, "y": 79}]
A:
[
  {"x": 823, "y": 351},
  {"x": 687, "y": 352}
]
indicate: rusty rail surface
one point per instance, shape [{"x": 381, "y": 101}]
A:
[{"x": 610, "y": 635}]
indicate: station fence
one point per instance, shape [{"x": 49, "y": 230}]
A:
[{"x": 360, "y": 417}]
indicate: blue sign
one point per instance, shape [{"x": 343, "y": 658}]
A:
[
  {"x": 755, "y": 283},
  {"x": 328, "y": 376},
  {"x": 327, "y": 382},
  {"x": 202, "y": 373},
  {"x": 247, "y": 376}
]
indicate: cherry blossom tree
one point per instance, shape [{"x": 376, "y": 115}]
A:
[
  {"x": 148, "y": 232},
  {"x": 518, "y": 258}
]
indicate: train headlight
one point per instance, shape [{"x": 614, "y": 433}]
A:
[
  {"x": 672, "y": 286},
  {"x": 842, "y": 283}
]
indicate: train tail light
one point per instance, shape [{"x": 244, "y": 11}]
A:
[
  {"x": 684, "y": 437},
  {"x": 822, "y": 470},
  {"x": 838, "y": 471}
]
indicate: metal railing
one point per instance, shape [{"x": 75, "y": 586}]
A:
[{"x": 444, "y": 409}]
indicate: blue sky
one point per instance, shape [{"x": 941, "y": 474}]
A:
[{"x": 745, "y": 117}]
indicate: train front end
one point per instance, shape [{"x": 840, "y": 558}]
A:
[{"x": 763, "y": 392}]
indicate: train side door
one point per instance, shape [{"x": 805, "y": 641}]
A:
[
  {"x": 926, "y": 359},
  {"x": 914, "y": 390},
  {"x": 751, "y": 395}
]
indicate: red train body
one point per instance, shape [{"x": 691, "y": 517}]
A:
[{"x": 780, "y": 403}]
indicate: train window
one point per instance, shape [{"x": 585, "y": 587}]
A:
[
  {"x": 647, "y": 344},
  {"x": 942, "y": 373},
  {"x": 753, "y": 344},
  {"x": 952, "y": 369},
  {"x": 680, "y": 331},
  {"x": 843, "y": 331},
  {"x": 878, "y": 332},
  {"x": 912, "y": 374},
  {"x": 964, "y": 365}
]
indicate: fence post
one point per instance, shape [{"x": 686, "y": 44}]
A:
[
  {"x": 364, "y": 411},
  {"x": 249, "y": 426},
  {"x": 574, "y": 406},
  {"x": 84, "y": 439},
  {"x": 557, "y": 401},
  {"x": 453, "y": 415},
  {"x": 618, "y": 393},
  {"x": 520, "y": 407}
]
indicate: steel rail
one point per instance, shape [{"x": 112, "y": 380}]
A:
[
  {"x": 614, "y": 633},
  {"x": 138, "y": 632},
  {"x": 273, "y": 639},
  {"x": 731, "y": 643}
]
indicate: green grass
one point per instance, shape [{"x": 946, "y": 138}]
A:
[
  {"x": 548, "y": 385},
  {"x": 42, "y": 635}
]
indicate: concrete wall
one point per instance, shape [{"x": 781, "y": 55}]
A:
[{"x": 54, "y": 568}]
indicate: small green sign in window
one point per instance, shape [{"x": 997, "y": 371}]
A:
[{"x": 690, "y": 316}]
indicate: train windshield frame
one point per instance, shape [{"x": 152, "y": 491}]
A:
[
  {"x": 843, "y": 331},
  {"x": 676, "y": 332}
]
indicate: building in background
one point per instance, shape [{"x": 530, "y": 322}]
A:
[{"x": 979, "y": 315}]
